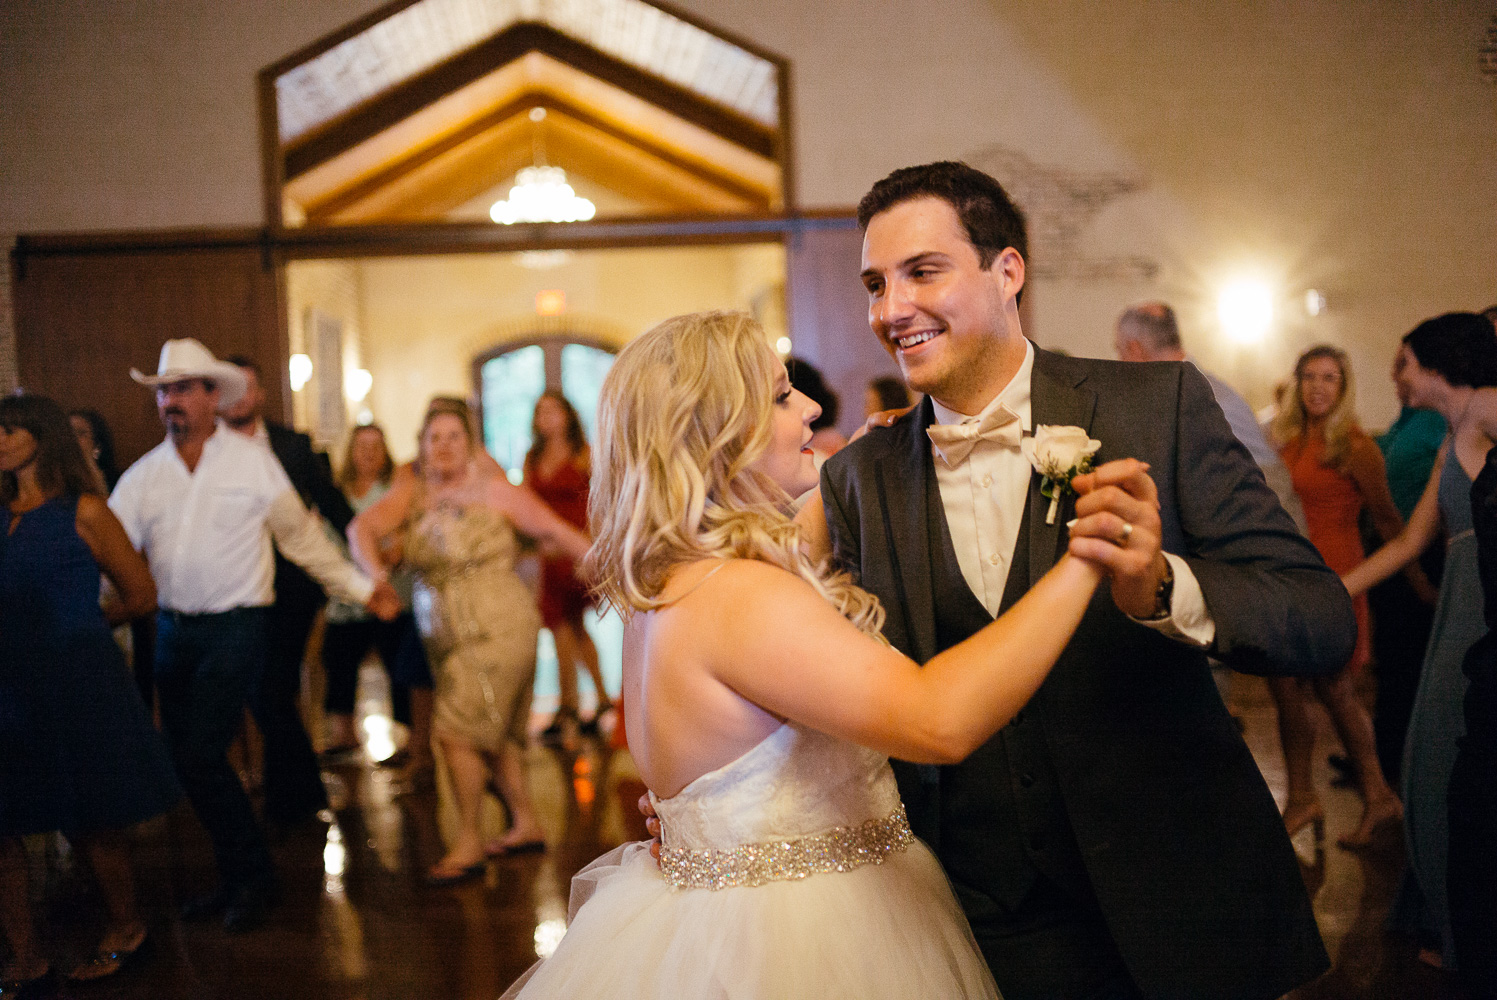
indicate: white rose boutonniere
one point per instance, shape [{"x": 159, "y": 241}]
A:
[{"x": 1059, "y": 454}]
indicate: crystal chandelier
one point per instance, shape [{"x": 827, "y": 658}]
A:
[{"x": 541, "y": 194}]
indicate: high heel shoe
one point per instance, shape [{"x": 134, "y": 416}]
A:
[
  {"x": 1296, "y": 819},
  {"x": 563, "y": 730},
  {"x": 590, "y": 727},
  {"x": 106, "y": 963}
]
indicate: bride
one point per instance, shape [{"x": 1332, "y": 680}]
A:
[{"x": 762, "y": 705}]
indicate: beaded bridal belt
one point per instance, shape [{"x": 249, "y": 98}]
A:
[{"x": 840, "y": 849}]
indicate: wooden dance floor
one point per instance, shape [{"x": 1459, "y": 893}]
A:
[{"x": 356, "y": 920}]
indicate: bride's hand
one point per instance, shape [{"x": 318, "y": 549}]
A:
[{"x": 1117, "y": 526}]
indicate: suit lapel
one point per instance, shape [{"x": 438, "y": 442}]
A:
[
  {"x": 903, "y": 484},
  {"x": 1057, "y": 397}
]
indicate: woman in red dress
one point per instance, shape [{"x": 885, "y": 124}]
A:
[
  {"x": 558, "y": 468},
  {"x": 1337, "y": 471}
]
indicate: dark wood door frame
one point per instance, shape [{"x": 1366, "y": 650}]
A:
[{"x": 411, "y": 239}]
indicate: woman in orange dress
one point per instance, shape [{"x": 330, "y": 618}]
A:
[
  {"x": 558, "y": 468},
  {"x": 1337, "y": 471}
]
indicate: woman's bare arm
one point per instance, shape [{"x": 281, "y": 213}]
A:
[
  {"x": 1367, "y": 469},
  {"x": 771, "y": 638},
  {"x": 379, "y": 521},
  {"x": 1416, "y": 536},
  {"x": 531, "y": 515},
  {"x": 134, "y": 589}
]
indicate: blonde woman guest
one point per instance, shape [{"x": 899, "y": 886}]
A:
[
  {"x": 558, "y": 467},
  {"x": 762, "y": 704},
  {"x": 455, "y": 516},
  {"x": 1337, "y": 470},
  {"x": 364, "y": 477}
]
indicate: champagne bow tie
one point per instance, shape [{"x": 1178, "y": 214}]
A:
[{"x": 955, "y": 442}]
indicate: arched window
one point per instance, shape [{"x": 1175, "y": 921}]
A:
[{"x": 511, "y": 378}]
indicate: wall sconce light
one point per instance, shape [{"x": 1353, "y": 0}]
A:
[
  {"x": 1245, "y": 310},
  {"x": 782, "y": 346},
  {"x": 551, "y": 302},
  {"x": 357, "y": 383},
  {"x": 301, "y": 371}
]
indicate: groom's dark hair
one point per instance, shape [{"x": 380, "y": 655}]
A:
[{"x": 992, "y": 220}]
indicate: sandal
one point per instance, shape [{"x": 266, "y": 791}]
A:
[
  {"x": 439, "y": 876},
  {"x": 499, "y": 849},
  {"x": 107, "y": 963}
]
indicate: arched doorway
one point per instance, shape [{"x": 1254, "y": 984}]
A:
[{"x": 508, "y": 379}]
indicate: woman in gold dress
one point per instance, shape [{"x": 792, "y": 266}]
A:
[{"x": 456, "y": 516}]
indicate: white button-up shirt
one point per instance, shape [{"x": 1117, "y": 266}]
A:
[
  {"x": 207, "y": 533},
  {"x": 984, "y": 498}
]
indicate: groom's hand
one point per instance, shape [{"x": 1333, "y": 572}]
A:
[
  {"x": 652, "y": 824},
  {"x": 1117, "y": 526}
]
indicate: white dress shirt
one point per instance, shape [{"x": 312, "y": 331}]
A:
[
  {"x": 207, "y": 533},
  {"x": 984, "y": 497}
]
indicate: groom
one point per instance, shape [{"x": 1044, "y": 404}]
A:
[{"x": 1116, "y": 838}]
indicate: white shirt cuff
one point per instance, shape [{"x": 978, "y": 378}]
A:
[{"x": 1189, "y": 621}]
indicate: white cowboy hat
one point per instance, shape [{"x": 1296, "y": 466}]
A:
[{"x": 186, "y": 358}]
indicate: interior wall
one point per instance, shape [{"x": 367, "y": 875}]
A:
[
  {"x": 424, "y": 319},
  {"x": 333, "y": 288},
  {"x": 1348, "y": 147}
]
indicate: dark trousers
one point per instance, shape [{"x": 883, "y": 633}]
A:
[
  {"x": 1400, "y": 633},
  {"x": 1052, "y": 947},
  {"x": 344, "y": 646},
  {"x": 293, "y": 781},
  {"x": 206, "y": 667},
  {"x": 1472, "y": 873}
]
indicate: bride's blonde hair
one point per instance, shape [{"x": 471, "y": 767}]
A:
[{"x": 683, "y": 415}]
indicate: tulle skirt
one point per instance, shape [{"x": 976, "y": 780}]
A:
[{"x": 892, "y": 930}]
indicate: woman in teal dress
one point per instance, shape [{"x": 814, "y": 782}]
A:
[
  {"x": 77, "y": 749},
  {"x": 1447, "y": 363}
]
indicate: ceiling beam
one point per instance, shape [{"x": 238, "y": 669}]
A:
[
  {"x": 424, "y": 89},
  {"x": 323, "y": 208}
]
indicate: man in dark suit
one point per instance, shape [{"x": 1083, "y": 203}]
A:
[
  {"x": 293, "y": 781},
  {"x": 1115, "y": 839}
]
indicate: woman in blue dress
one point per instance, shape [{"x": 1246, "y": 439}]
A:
[
  {"x": 78, "y": 752},
  {"x": 1448, "y": 364}
]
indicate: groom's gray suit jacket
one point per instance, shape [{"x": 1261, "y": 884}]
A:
[{"x": 1178, "y": 834}]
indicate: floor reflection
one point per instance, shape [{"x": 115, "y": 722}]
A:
[{"x": 358, "y": 921}]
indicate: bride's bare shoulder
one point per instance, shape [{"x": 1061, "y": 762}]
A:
[{"x": 712, "y": 580}]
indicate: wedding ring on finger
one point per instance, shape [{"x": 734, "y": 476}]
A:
[{"x": 1122, "y": 542}]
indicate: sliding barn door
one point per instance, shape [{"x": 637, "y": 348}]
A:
[{"x": 84, "y": 319}]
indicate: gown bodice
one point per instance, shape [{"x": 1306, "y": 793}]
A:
[{"x": 798, "y": 803}]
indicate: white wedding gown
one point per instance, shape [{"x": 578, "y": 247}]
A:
[{"x": 790, "y": 872}]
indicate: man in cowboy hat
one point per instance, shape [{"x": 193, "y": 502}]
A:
[{"x": 203, "y": 507}]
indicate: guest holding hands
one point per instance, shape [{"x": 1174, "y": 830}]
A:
[
  {"x": 352, "y": 632},
  {"x": 1337, "y": 470},
  {"x": 558, "y": 468},
  {"x": 78, "y": 752},
  {"x": 454, "y": 517}
]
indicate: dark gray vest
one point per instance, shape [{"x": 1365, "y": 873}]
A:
[{"x": 996, "y": 820}]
